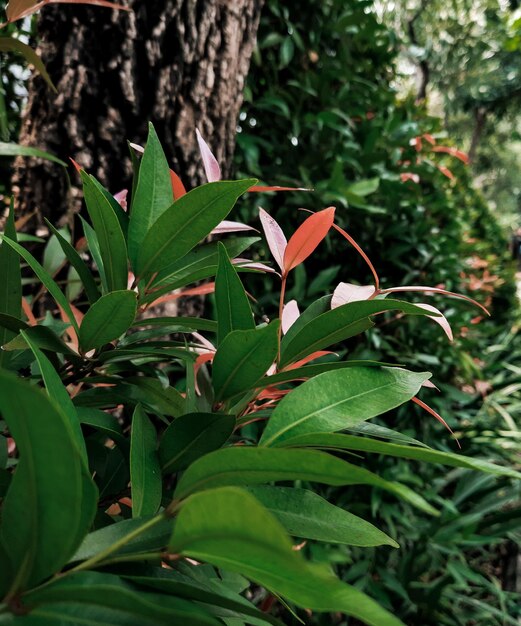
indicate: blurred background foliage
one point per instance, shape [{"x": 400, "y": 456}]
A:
[{"x": 354, "y": 99}]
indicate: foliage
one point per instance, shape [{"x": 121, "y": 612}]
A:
[{"x": 125, "y": 456}]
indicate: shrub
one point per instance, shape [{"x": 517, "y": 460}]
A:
[{"x": 128, "y": 460}]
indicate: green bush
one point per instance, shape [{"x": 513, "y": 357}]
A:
[{"x": 127, "y": 460}]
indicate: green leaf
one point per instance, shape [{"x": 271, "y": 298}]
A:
[
  {"x": 191, "y": 436},
  {"x": 230, "y": 529},
  {"x": 112, "y": 246},
  {"x": 252, "y": 466},
  {"x": 45, "y": 278},
  {"x": 104, "y": 422},
  {"x": 190, "y": 323},
  {"x": 242, "y": 358},
  {"x": 88, "y": 282},
  {"x": 107, "y": 319},
  {"x": 57, "y": 392},
  {"x": 364, "y": 444},
  {"x": 43, "y": 337},
  {"x": 14, "y": 149},
  {"x": 309, "y": 371},
  {"x": 187, "y": 222},
  {"x": 94, "y": 249},
  {"x": 51, "y": 501},
  {"x": 305, "y": 514},
  {"x": 8, "y": 44},
  {"x": 91, "y": 596},
  {"x": 206, "y": 589},
  {"x": 122, "y": 215},
  {"x": 337, "y": 400},
  {"x": 153, "y": 194},
  {"x": 11, "y": 283},
  {"x": 145, "y": 472},
  {"x": 233, "y": 306},
  {"x": 364, "y": 187},
  {"x": 337, "y": 325}
]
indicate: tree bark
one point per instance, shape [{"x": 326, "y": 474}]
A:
[
  {"x": 480, "y": 119},
  {"x": 181, "y": 64}
]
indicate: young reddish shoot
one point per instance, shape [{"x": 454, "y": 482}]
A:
[{"x": 440, "y": 419}]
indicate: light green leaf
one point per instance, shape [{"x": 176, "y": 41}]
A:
[
  {"x": 364, "y": 444},
  {"x": 14, "y": 149},
  {"x": 153, "y": 195},
  {"x": 233, "y": 306},
  {"x": 230, "y": 529},
  {"x": 305, "y": 514},
  {"x": 242, "y": 358},
  {"x": 191, "y": 436},
  {"x": 112, "y": 245},
  {"x": 253, "y": 466},
  {"x": 51, "y": 501},
  {"x": 145, "y": 472},
  {"x": 337, "y": 400},
  {"x": 364, "y": 187},
  {"x": 107, "y": 319},
  {"x": 337, "y": 325},
  {"x": 187, "y": 222}
]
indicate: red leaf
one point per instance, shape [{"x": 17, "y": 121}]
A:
[
  {"x": 434, "y": 414},
  {"x": 459, "y": 154},
  {"x": 361, "y": 253},
  {"x": 14, "y": 15},
  {"x": 194, "y": 291},
  {"x": 274, "y": 236},
  {"x": 446, "y": 172},
  {"x": 26, "y": 307},
  {"x": 76, "y": 165},
  {"x": 307, "y": 237},
  {"x": 177, "y": 185},
  {"x": 211, "y": 166}
]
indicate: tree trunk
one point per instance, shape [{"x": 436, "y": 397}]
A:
[
  {"x": 181, "y": 64},
  {"x": 480, "y": 118}
]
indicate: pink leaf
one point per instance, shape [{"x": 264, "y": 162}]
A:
[
  {"x": 274, "y": 236},
  {"x": 405, "y": 176},
  {"x": 121, "y": 198},
  {"x": 226, "y": 226},
  {"x": 16, "y": 9},
  {"x": 204, "y": 342},
  {"x": 435, "y": 290},
  {"x": 347, "y": 292},
  {"x": 307, "y": 237},
  {"x": 290, "y": 314},
  {"x": 139, "y": 149},
  {"x": 178, "y": 188},
  {"x": 441, "y": 320},
  {"x": 254, "y": 265},
  {"x": 211, "y": 167},
  {"x": 262, "y": 188},
  {"x": 446, "y": 172}
]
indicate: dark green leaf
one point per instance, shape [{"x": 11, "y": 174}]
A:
[
  {"x": 229, "y": 528},
  {"x": 107, "y": 319},
  {"x": 51, "y": 502},
  {"x": 187, "y": 222},
  {"x": 305, "y": 514},
  {"x": 191, "y": 436},
  {"x": 112, "y": 245},
  {"x": 11, "y": 283},
  {"x": 153, "y": 195},
  {"x": 250, "y": 466},
  {"x": 8, "y": 44},
  {"x": 41, "y": 336},
  {"x": 337, "y": 400},
  {"x": 88, "y": 282},
  {"x": 337, "y": 325},
  {"x": 145, "y": 472},
  {"x": 242, "y": 358},
  {"x": 233, "y": 307}
]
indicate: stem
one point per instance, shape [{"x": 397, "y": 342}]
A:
[
  {"x": 101, "y": 556},
  {"x": 281, "y": 308}
]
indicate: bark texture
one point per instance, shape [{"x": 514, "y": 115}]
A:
[{"x": 181, "y": 64}]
